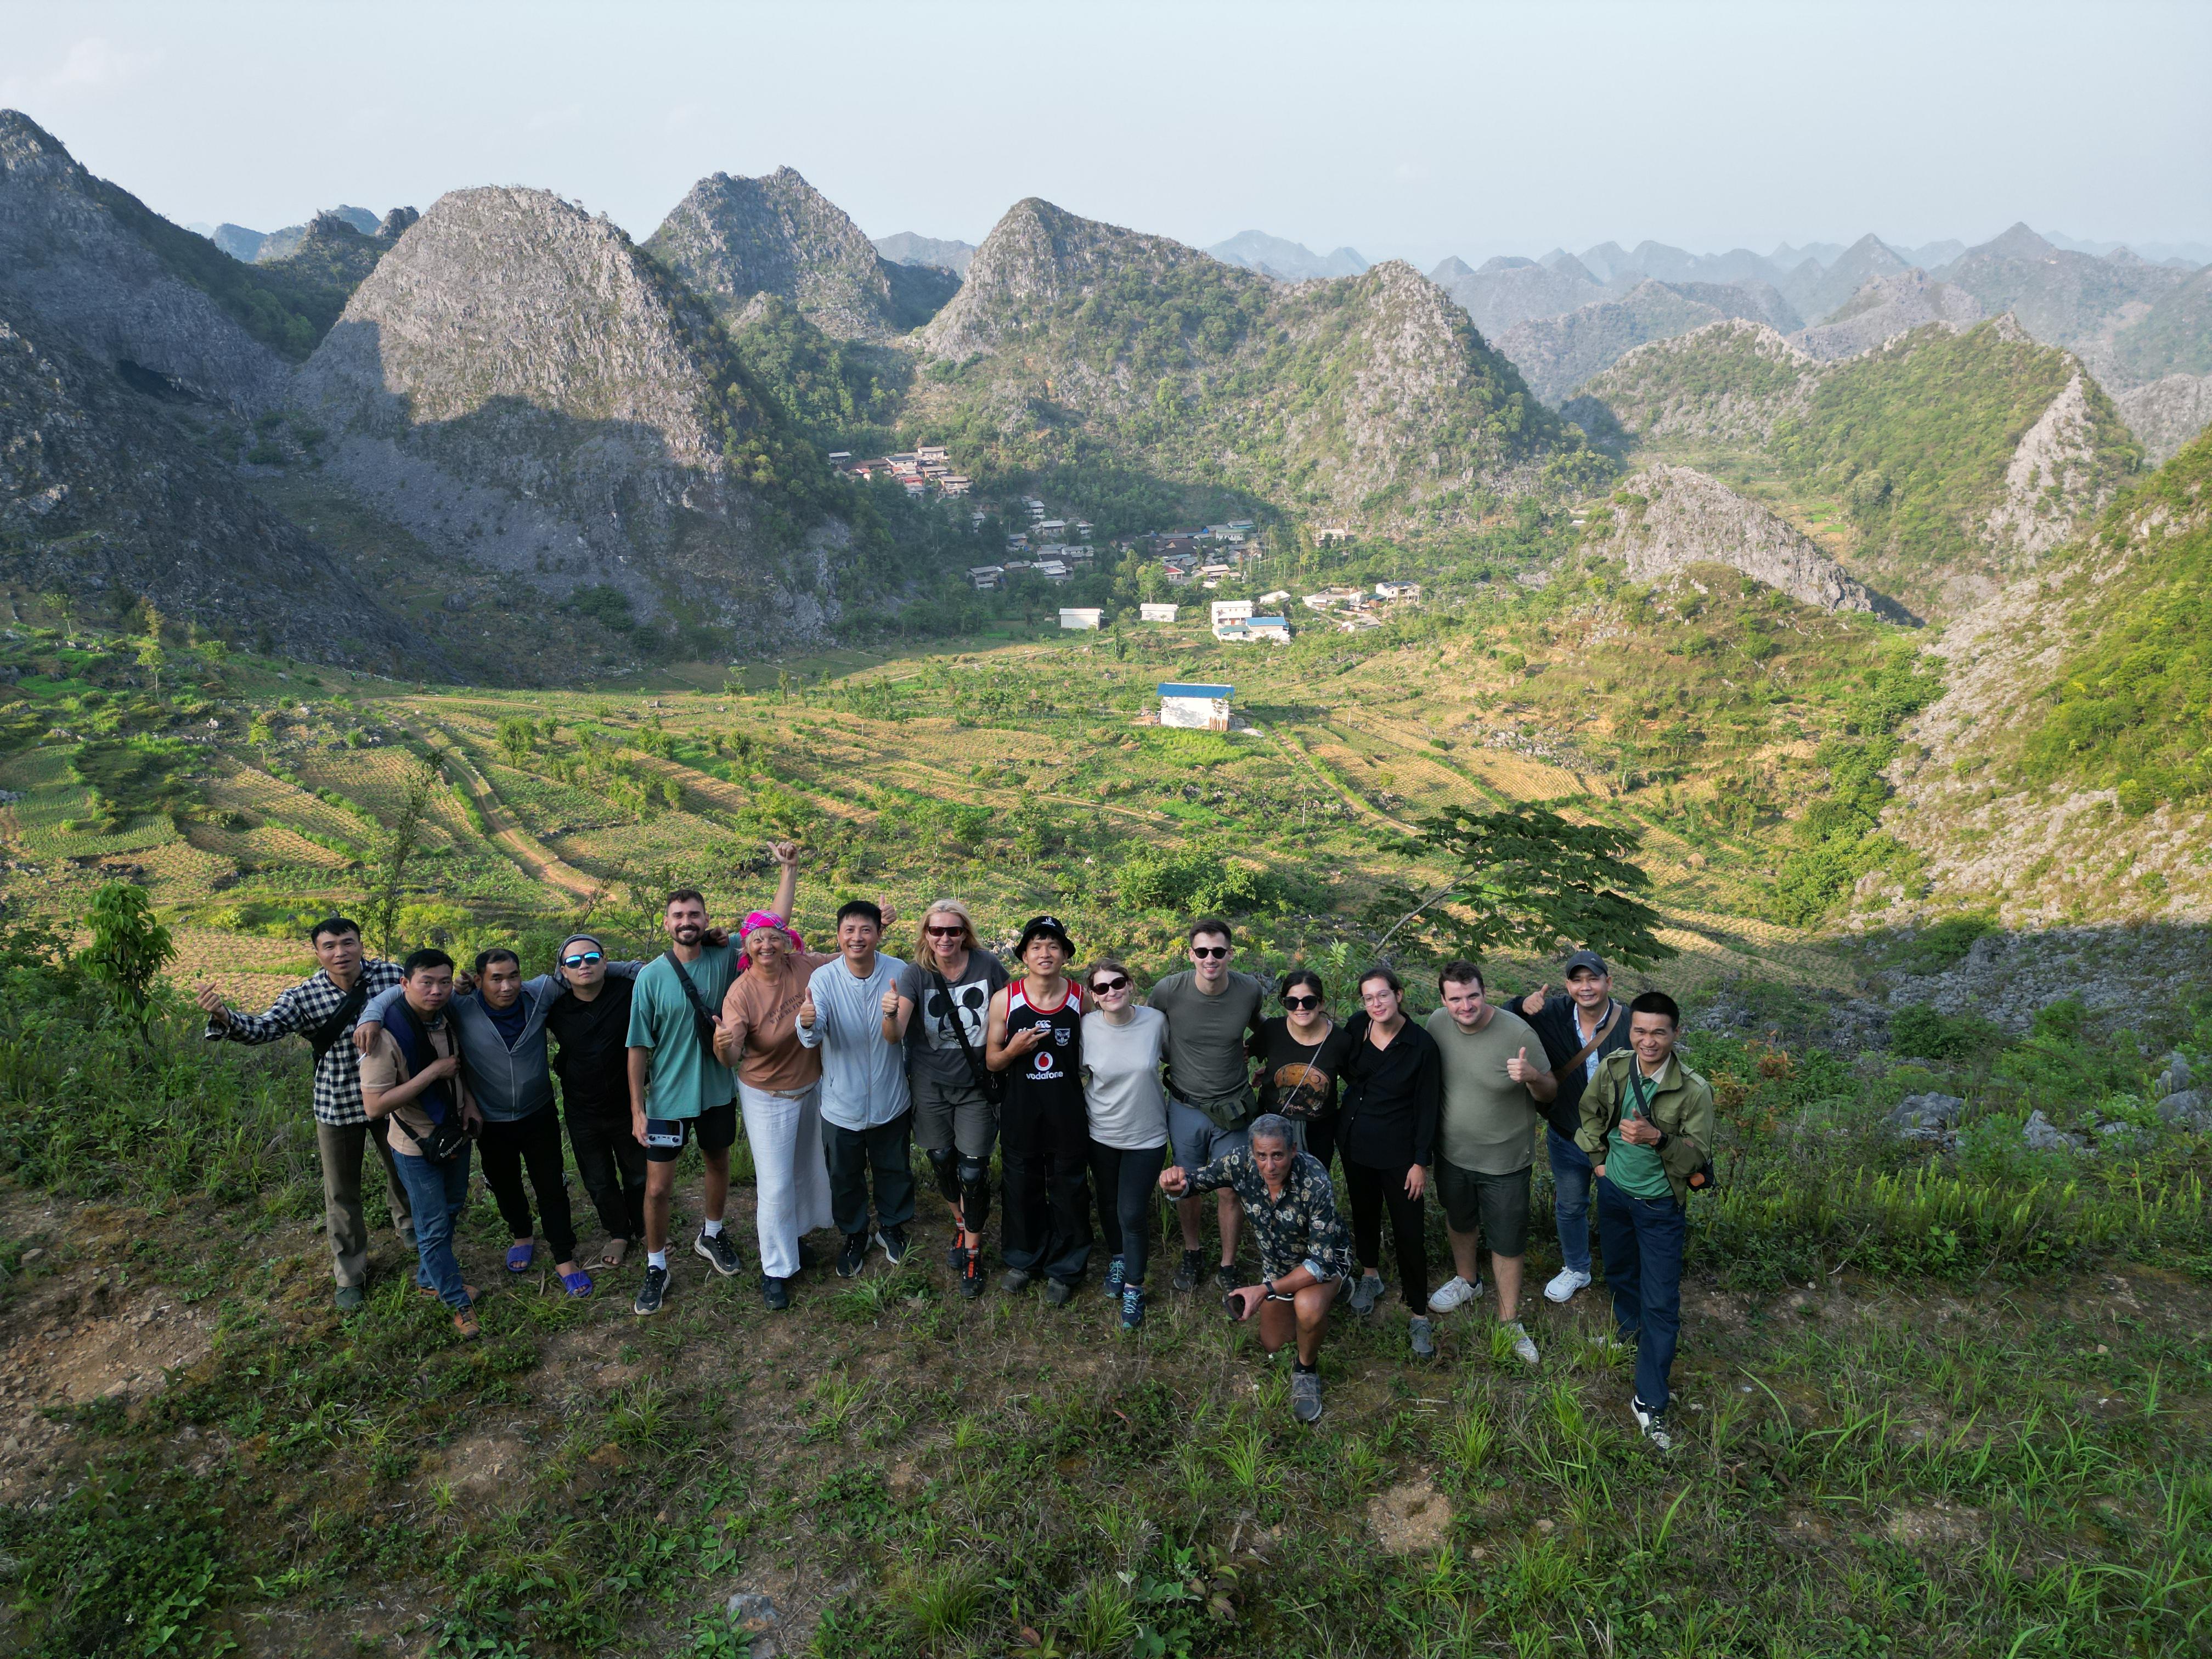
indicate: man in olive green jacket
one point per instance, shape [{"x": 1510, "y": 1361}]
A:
[{"x": 1647, "y": 1126}]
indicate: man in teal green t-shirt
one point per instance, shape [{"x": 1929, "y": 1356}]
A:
[
  {"x": 678, "y": 1087},
  {"x": 1647, "y": 1125}
]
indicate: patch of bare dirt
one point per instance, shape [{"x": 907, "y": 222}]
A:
[{"x": 1411, "y": 1518}]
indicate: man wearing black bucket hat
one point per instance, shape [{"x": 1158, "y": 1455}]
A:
[{"x": 1035, "y": 1038}]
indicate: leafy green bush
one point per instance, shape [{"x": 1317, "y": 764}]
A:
[
  {"x": 1921, "y": 1030},
  {"x": 1190, "y": 880}
]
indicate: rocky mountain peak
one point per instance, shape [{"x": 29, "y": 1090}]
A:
[
  {"x": 395, "y": 224},
  {"x": 1887, "y": 307},
  {"x": 2018, "y": 243},
  {"x": 732, "y": 238}
]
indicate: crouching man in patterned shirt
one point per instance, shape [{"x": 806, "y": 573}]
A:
[{"x": 1304, "y": 1252}]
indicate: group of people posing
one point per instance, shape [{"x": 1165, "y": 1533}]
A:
[{"x": 840, "y": 1061}]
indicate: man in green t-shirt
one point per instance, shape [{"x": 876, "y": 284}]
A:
[
  {"x": 1487, "y": 1144},
  {"x": 678, "y": 1087},
  {"x": 1648, "y": 1128}
]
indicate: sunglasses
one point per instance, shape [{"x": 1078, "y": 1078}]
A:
[
  {"x": 1209, "y": 951},
  {"x": 1103, "y": 986},
  {"x": 580, "y": 959},
  {"x": 1301, "y": 1002},
  {"x": 947, "y": 933}
]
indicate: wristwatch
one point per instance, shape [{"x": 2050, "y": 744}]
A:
[
  {"x": 1660, "y": 1144},
  {"x": 1267, "y": 1289}
]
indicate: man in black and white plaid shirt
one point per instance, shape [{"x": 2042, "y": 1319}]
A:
[{"x": 342, "y": 1128}]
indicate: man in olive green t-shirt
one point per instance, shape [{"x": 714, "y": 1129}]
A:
[{"x": 1486, "y": 1141}]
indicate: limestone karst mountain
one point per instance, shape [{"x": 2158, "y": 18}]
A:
[
  {"x": 1504, "y": 292},
  {"x": 731, "y": 239},
  {"x": 1291, "y": 262},
  {"x": 1368, "y": 397},
  {"x": 1818, "y": 294},
  {"x": 89, "y": 266},
  {"x": 1667, "y": 519},
  {"x": 2062, "y": 775},
  {"x": 520, "y": 386},
  {"x": 2168, "y": 413},
  {"x": 111, "y": 493},
  {"x": 2060, "y": 297},
  {"x": 1558, "y": 353},
  {"x": 1945, "y": 462},
  {"x": 907, "y": 248},
  {"x": 1885, "y": 309}
]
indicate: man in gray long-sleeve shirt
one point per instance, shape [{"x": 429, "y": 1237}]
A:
[{"x": 855, "y": 1014}]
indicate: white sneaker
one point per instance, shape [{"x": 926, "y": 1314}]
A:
[
  {"x": 1525, "y": 1349},
  {"x": 1453, "y": 1292},
  {"x": 1564, "y": 1283}
]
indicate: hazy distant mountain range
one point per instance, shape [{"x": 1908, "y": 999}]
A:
[{"x": 1293, "y": 261}]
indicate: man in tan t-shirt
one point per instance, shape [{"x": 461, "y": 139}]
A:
[{"x": 415, "y": 1078}]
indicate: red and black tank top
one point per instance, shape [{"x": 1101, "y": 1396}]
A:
[{"x": 1048, "y": 1079}]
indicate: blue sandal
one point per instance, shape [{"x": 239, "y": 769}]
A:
[
  {"x": 577, "y": 1283},
  {"x": 519, "y": 1257}
]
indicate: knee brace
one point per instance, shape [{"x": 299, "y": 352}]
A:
[
  {"x": 975, "y": 1192},
  {"x": 942, "y": 1168}
]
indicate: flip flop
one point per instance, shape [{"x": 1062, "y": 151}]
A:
[
  {"x": 519, "y": 1257},
  {"x": 577, "y": 1283}
]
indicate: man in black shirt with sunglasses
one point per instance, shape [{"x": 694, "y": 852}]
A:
[{"x": 592, "y": 1024}]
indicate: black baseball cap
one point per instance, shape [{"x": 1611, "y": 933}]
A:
[
  {"x": 1589, "y": 959},
  {"x": 1044, "y": 927}
]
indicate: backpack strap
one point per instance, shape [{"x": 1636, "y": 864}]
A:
[
  {"x": 702, "y": 1021},
  {"x": 326, "y": 1036}
]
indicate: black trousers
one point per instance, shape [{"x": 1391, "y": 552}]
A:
[
  {"x": 852, "y": 1155},
  {"x": 1372, "y": 1192},
  {"x": 1045, "y": 1157},
  {"x": 1317, "y": 1136},
  {"x": 612, "y": 1165},
  {"x": 1128, "y": 1204},
  {"x": 535, "y": 1140}
]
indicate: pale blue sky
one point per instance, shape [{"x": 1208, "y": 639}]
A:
[{"x": 1414, "y": 131}]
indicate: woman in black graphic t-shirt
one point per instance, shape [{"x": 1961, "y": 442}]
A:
[{"x": 1301, "y": 1053}]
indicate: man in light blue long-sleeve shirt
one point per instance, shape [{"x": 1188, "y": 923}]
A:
[{"x": 855, "y": 1014}]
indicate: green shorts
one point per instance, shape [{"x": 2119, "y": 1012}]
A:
[{"x": 1496, "y": 1206}]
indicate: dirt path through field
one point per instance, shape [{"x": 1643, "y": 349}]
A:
[{"x": 539, "y": 861}]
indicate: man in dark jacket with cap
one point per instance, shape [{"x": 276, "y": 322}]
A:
[{"x": 1579, "y": 1030}]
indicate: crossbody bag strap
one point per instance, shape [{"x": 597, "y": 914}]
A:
[
  {"x": 325, "y": 1036},
  {"x": 702, "y": 1023},
  {"x": 985, "y": 1082},
  {"x": 1613, "y": 1013}
]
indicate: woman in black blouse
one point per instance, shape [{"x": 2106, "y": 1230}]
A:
[
  {"x": 1393, "y": 1092},
  {"x": 1301, "y": 1053}
]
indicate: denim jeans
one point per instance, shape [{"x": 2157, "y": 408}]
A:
[
  {"x": 1643, "y": 1242},
  {"x": 436, "y": 1193},
  {"x": 1570, "y": 1193}
]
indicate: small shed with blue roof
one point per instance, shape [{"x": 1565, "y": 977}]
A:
[{"x": 1195, "y": 707}]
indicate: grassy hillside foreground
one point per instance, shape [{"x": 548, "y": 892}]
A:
[{"x": 1933, "y": 1400}]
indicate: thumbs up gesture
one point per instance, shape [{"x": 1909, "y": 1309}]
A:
[
  {"x": 1533, "y": 1002},
  {"x": 806, "y": 1011},
  {"x": 1518, "y": 1067},
  {"x": 890, "y": 1002}
]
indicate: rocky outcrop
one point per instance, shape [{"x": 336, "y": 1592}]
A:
[
  {"x": 1677, "y": 517},
  {"x": 519, "y": 385},
  {"x": 103, "y": 494},
  {"x": 1885, "y": 309},
  {"x": 2054, "y": 480},
  {"x": 2168, "y": 413},
  {"x": 88, "y": 266},
  {"x": 731, "y": 239},
  {"x": 1727, "y": 383}
]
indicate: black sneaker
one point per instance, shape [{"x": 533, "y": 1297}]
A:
[
  {"x": 1305, "y": 1396},
  {"x": 971, "y": 1274},
  {"x": 1132, "y": 1307},
  {"x": 775, "y": 1293},
  {"x": 956, "y": 1254},
  {"x": 1015, "y": 1280},
  {"x": 1115, "y": 1269},
  {"x": 650, "y": 1292},
  {"x": 1059, "y": 1293},
  {"x": 805, "y": 1256},
  {"x": 893, "y": 1239},
  {"x": 720, "y": 1251},
  {"x": 1225, "y": 1276},
  {"x": 854, "y": 1255},
  {"x": 1187, "y": 1276}
]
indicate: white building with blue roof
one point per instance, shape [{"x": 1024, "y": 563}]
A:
[{"x": 1195, "y": 707}]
